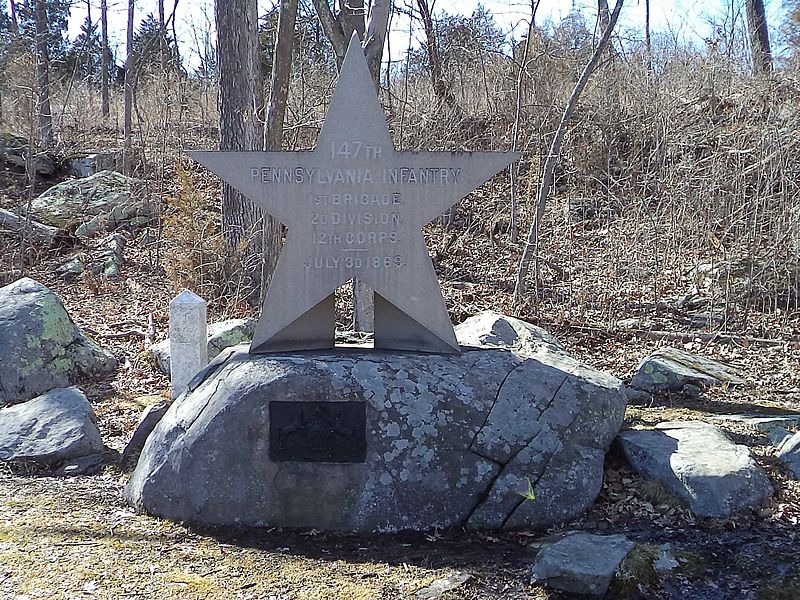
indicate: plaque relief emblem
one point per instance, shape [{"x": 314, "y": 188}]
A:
[
  {"x": 354, "y": 207},
  {"x": 317, "y": 431}
]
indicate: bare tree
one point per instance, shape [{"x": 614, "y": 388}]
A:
[
  {"x": 104, "y": 58},
  {"x": 14, "y": 21},
  {"x": 373, "y": 41},
  {"x": 759, "y": 36},
  {"x": 249, "y": 234},
  {"x": 281, "y": 70},
  {"x": 130, "y": 65},
  {"x": 514, "y": 167},
  {"x": 647, "y": 41},
  {"x": 531, "y": 249},
  {"x": 440, "y": 86},
  {"x": 603, "y": 14},
  {"x": 43, "y": 77}
]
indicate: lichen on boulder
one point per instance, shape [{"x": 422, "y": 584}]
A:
[
  {"x": 101, "y": 202},
  {"x": 41, "y": 348},
  {"x": 449, "y": 440}
]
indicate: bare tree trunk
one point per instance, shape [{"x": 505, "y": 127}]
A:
[
  {"x": 377, "y": 27},
  {"x": 14, "y": 21},
  {"x": 241, "y": 104},
  {"x": 43, "y": 78},
  {"x": 376, "y": 30},
  {"x": 531, "y": 249},
  {"x": 647, "y": 41},
  {"x": 104, "y": 58},
  {"x": 276, "y": 113},
  {"x": 352, "y": 18},
  {"x": 440, "y": 86},
  {"x": 603, "y": 14},
  {"x": 759, "y": 36},
  {"x": 281, "y": 70},
  {"x": 513, "y": 167},
  {"x": 162, "y": 36},
  {"x": 333, "y": 30},
  {"x": 130, "y": 65}
]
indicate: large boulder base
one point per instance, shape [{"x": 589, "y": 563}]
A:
[
  {"x": 581, "y": 563},
  {"x": 671, "y": 369},
  {"x": 450, "y": 441},
  {"x": 54, "y": 427},
  {"x": 41, "y": 348},
  {"x": 699, "y": 464}
]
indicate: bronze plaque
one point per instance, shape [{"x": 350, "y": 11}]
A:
[{"x": 318, "y": 432}]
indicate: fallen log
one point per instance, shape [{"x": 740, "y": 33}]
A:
[{"x": 39, "y": 232}]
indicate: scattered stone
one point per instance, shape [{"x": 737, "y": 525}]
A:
[
  {"x": 581, "y": 563},
  {"x": 91, "y": 464},
  {"x": 108, "y": 260},
  {"x": 790, "y": 454},
  {"x": 483, "y": 427},
  {"x": 493, "y": 330},
  {"x": 101, "y": 202},
  {"x": 765, "y": 423},
  {"x": 778, "y": 436},
  {"x": 670, "y": 370},
  {"x": 699, "y": 464},
  {"x": 14, "y": 151},
  {"x": 41, "y": 348},
  {"x": 70, "y": 268},
  {"x": 89, "y": 163},
  {"x": 635, "y": 323},
  {"x": 147, "y": 422},
  {"x": 442, "y": 586},
  {"x": 665, "y": 562},
  {"x": 53, "y": 427},
  {"x": 221, "y": 335}
]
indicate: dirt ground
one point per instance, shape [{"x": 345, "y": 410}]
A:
[{"x": 77, "y": 538}]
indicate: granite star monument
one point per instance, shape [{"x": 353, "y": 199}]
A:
[{"x": 354, "y": 207}]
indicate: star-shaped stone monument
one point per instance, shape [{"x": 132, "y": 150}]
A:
[{"x": 354, "y": 207}]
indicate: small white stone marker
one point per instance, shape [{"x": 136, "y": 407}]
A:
[{"x": 188, "y": 339}]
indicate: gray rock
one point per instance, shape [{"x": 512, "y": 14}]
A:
[
  {"x": 41, "y": 348},
  {"x": 101, "y": 202},
  {"x": 670, "y": 369},
  {"x": 56, "y": 426},
  {"x": 778, "y": 436},
  {"x": 108, "y": 259},
  {"x": 147, "y": 422},
  {"x": 91, "y": 464},
  {"x": 220, "y": 336},
  {"x": 70, "y": 268},
  {"x": 441, "y": 586},
  {"x": 493, "y": 330},
  {"x": 87, "y": 164},
  {"x": 698, "y": 463},
  {"x": 789, "y": 454},
  {"x": 14, "y": 151},
  {"x": 581, "y": 563},
  {"x": 765, "y": 423},
  {"x": 665, "y": 562},
  {"x": 450, "y": 441}
]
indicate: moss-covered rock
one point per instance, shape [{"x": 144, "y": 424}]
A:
[
  {"x": 102, "y": 202},
  {"x": 41, "y": 348},
  {"x": 670, "y": 370}
]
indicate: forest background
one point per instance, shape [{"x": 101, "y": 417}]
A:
[{"x": 673, "y": 202}]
